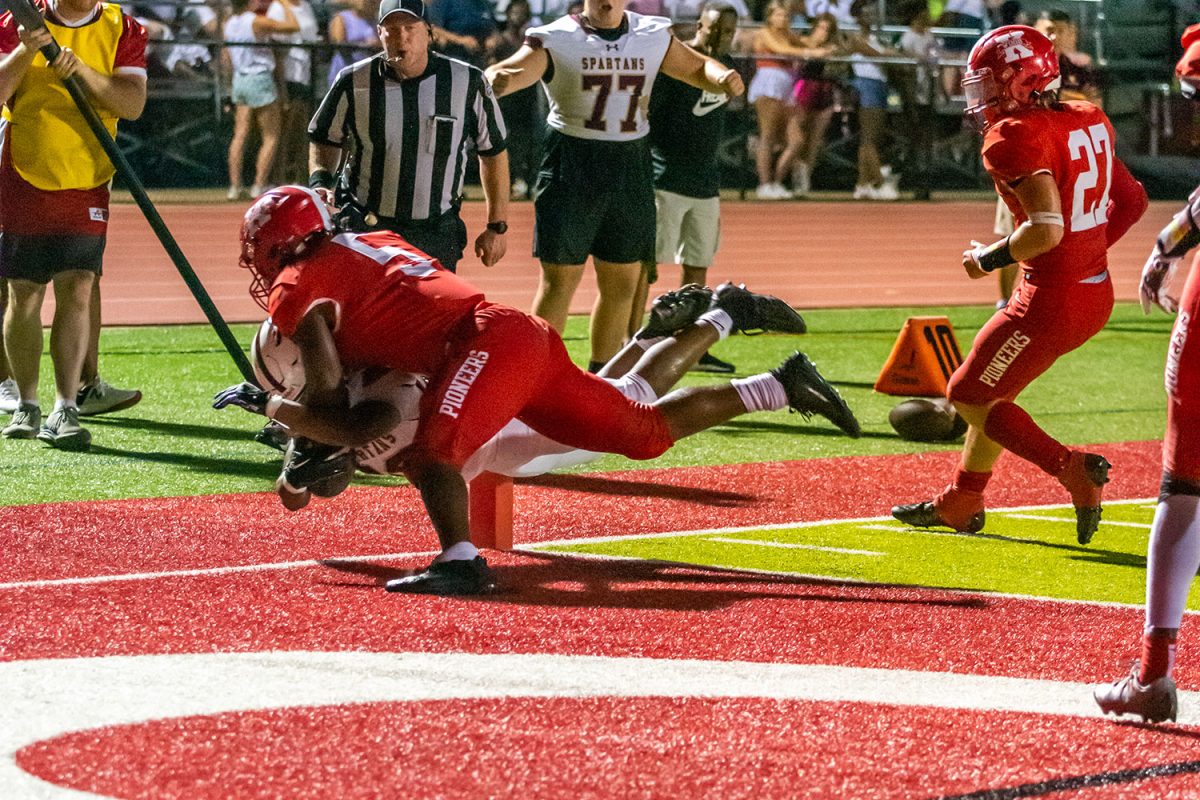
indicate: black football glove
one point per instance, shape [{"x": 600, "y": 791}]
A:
[
  {"x": 244, "y": 395},
  {"x": 324, "y": 469}
]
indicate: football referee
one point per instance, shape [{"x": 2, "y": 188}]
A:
[{"x": 399, "y": 125}]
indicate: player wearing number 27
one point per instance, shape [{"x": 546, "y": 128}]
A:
[
  {"x": 594, "y": 193},
  {"x": 1054, "y": 166}
]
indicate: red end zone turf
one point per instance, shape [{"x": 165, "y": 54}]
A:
[{"x": 574, "y": 746}]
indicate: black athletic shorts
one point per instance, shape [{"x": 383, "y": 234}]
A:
[
  {"x": 39, "y": 258},
  {"x": 594, "y": 198}
]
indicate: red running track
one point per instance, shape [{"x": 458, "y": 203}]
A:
[{"x": 815, "y": 254}]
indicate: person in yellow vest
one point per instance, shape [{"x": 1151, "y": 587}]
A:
[{"x": 54, "y": 188}]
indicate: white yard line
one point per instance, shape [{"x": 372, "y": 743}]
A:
[
  {"x": 189, "y": 573},
  {"x": 794, "y": 546}
]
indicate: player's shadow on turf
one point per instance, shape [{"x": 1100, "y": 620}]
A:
[
  {"x": 565, "y": 581},
  {"x": 183, "y": 430},
  {"x": 593, "y": 484},
  {"x": 748, "y": 427},
  {"x": 1085, "y": 552},
  {"x": 218, "y": 466}
]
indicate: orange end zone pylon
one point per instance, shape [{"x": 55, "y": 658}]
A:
[
  {"x": 491, "y": 511},
  {"x": 922, "y": 360}
]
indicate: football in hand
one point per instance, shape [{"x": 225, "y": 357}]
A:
[{"x": 925, "y": 419}]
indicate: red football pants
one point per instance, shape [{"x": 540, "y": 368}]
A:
[
  {"x": 1021, "y": 341},
  {"x": 1181, "y": 445},
  {"x": 503, "y": 364}
]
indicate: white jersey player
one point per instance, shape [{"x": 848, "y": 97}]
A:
[
  {"x": 601, "y": 90},
  {"x": 595, "y": 194}
]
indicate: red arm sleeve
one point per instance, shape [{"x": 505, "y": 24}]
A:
[
  {"x": 131, "y": 49},
  {"x": 1126, "y": 205}
]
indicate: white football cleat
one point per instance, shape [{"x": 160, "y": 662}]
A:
[{"x": 1156, "y": 702}]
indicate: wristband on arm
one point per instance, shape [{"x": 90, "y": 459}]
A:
[
  {"x": 321, "y": 179},
  {"x": 1178, "y": 237},
  {"x": 994, "y": 256}
]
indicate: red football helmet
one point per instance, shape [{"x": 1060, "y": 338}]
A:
[
  {"x": 279, "y": 227},
  {"x": 1007, "y": 69},
  {"x": 1188, "y": 68}
]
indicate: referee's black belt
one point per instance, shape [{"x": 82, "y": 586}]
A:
[{"x": 428, "y": 223}]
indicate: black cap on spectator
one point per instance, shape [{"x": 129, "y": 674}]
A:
[{"x": 414, "y": 7}]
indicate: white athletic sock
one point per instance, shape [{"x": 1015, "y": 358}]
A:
[
  {"x": 61, "y": 403},
  {"x": 1172, "y": 559},
  {"x": 761, "y": 392},
  {"x": 463, "y": 551},
  {"x": 718, "y": 319}
]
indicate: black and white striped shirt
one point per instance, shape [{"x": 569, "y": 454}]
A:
[{"x": 405, "y": 143}]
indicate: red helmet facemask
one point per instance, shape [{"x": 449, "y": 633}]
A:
[
  {"x": 1007, "y": 70},
  {"x": 279, "y": 227}
]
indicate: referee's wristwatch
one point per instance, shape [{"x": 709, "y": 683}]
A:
[{"x": 499, "y": 226}]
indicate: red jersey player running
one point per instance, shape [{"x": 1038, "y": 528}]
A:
[
  {"x": 372, "y": 300},
  {"x": 1054, "y": 164},
  {"x": 1173, "y": 555}
]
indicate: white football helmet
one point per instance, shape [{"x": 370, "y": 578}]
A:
[{"x": 276, "y": 362}]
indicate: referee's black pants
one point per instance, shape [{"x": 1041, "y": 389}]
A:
[{"x": 444, "y": 237}]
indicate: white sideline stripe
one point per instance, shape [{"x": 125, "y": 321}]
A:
[
  {"x": 896, "y": 527},
  {"x": 189, "y": 573},
  {"x": 47, "y": 698},
  {"x": 794, "y": 546},
  {"x": 1103, "y": 522}
]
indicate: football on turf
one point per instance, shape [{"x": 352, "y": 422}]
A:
[{"x": 925, "y": 419}]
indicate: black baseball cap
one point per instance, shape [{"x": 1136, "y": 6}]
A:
[{"x": 413, "y": 7}]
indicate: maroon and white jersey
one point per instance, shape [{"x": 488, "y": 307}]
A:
[{"x": 600, "y": 88}]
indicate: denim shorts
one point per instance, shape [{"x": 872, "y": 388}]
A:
[
  {"x": 872, "y": 93},
  {"x": 255, "y": 89}
]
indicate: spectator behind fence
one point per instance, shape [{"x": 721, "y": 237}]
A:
[
  {"x": 256, "y": 93},
  {"x": 875, "y": 182},
  {"x": 774, "y": 49},
  {"x": 291, "y": 164},
  {"x": 412, "y": 184},
  {"x": 464, "y": 29},
  {"x": 353, "y": 25},
  {"x": 1080, "y": 78},
  {"x": 919, "y": 90},
  {"x": 523, "y": 113},
  {"x": 960, "y": 14},
  {"x": 54, "y": 195},
  {"x": 814, "y": 96}
]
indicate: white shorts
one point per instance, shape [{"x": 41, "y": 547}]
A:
[
  {"x": 521, "y": 452},
  {"x": 689, "y": 229},
  {"x": 775, "y": 82}
]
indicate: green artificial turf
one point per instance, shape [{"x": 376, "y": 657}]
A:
[
  {"x": 1030, "y": 552},
  {"x": 174, "y": 443}
]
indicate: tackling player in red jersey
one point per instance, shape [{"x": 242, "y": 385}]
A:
[
  {"x": 1055, "y": 166},
  {"x": 372, "y": 300},
  {"x": 1173, "y": 554}
]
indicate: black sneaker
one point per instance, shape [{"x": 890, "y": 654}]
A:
[
  {"x": 448, "y": 578},
  {"x": 710, "y": 363},
  {"x": 676, "y": 310},
  {"x": 809, "y": 393},
  {"x": 925, "y": 515},
  {"x": 757, "y": 312}
]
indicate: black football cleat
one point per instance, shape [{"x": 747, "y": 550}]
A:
[
  {"x": 809, "y": 393},
  {"x": 1084, "y": 477},
  {"x": 925, "y": 515},
  {"x": 448, "y": 578},
  {"x": 675, "y": 310},
  {"x": 753, "y": 312},
  {"x": 322, "y": 468}
]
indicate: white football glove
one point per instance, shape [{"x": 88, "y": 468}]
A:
[{"x": 1155, "y": 277}]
